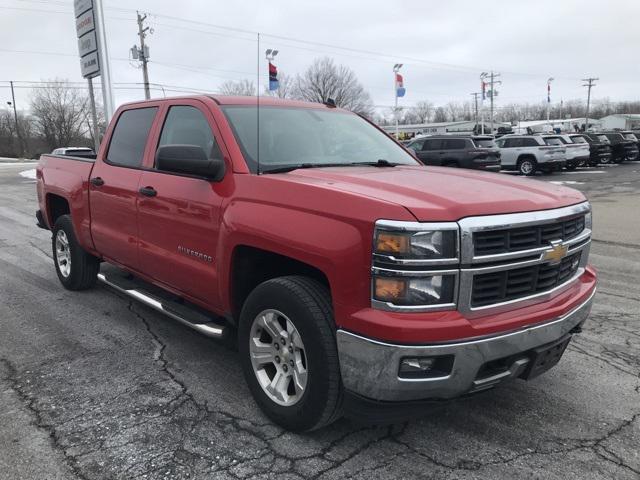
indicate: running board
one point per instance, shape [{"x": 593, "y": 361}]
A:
[{"x": 183, "y": 314}]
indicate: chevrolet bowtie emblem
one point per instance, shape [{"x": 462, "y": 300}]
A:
[{"x": 556, "y": 253}]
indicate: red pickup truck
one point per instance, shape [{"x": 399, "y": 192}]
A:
[{"x": 352, "y": 278}]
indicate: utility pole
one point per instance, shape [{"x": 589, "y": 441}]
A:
[
  {"x": 590, "y": 83},
  {"x": 475, "y": 101},
  {"x": 94, "y": 117},
  {"x": 549, "y": 80},
  {"x": 483, "y": 90},
  {"x": 492, "y": 92},
  {"x": 143, "y": 53},
  {"x": 15, "y": 116}
]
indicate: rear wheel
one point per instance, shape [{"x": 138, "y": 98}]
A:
[
  {"x": 526, "y": 166},
  {"x": 288, "y": 352},
  {"x": 76, "y": 269}
]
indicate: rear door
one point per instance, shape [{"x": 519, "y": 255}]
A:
[
  {"x": 431, "y": 152},
  {"x": 509, "y": 151},
  {"x": 113, "y": 189},
  {"x": 453, "y": 150},
  {"x": 180, "y": 224}
]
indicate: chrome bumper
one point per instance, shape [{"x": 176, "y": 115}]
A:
[{"x": 370, "y": 368}]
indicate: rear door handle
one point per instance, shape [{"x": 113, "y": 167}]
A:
[
  {"x": 148, "y": 191},
  {"x": 97, "y": 181}
]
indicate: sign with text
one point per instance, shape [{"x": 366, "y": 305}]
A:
[
  {"x": 87, "y": 43},
  {"x": 81, "y": 6},
  {"x": 87, "y": 38},
  {"x": 90, "y": 65}
]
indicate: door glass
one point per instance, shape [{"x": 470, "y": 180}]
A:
[
  {"x": 186, "y": 125},
  {"x": 130, "y": 137},
  {"x": 454, "y": 144}
]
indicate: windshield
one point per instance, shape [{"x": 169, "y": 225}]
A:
[
  {"x": 292, "y": 136},
  {"x": 484, "y": 142},
  {"x": 603, "y": 138},
  {"x": 630, "y": 136},
  {"x": 578, "y": 140},
  {"x": 553, "y": 141}
]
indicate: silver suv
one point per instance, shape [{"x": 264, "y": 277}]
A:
[{"x": 529, "y": 153}]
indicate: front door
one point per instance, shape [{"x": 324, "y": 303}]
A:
[
  {"x": 113, "y": 188},
  {"x": 179, "y": 225}
]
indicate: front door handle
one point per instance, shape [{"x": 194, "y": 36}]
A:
[
  {"x": 97, "y": 181},
  {"x": 148, "y": 191}
]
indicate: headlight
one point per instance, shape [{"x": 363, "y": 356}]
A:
[
  {"x": 415, "y": 265},
  {"x": 415, "y": 291},
  {"x": 418, "y": 245},
  {"x": 588, "y": 220}
]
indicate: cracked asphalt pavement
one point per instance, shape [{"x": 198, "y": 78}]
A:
[{"x": 93, "y": 386}]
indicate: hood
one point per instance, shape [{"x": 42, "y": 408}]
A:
[{"x": 442, "y": 193}]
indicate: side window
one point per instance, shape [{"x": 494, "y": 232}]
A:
[
  {"x": 186, "y": 125},
  {"x": 417, "y": 145},
  {"x": 130, "y": 137},
  {"x": 529, "y": 142},
  {"x": 454, "y": 144},
  {"x": 432, "y": 144},
  {"x": 511, "y": 142}
]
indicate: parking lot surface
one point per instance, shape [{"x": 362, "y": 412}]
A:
[{"x": 95, "y": 386}]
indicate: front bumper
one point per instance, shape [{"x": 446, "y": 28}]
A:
[{"x": 370, "y": 368}]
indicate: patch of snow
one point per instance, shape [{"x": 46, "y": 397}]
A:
[{"x": 29, "y": 174}]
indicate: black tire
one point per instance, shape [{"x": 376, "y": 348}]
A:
[
  {"x": 307, "y": 304},
  {"x": 527, "y": 166},
  {"x": 84, "y": 267}
]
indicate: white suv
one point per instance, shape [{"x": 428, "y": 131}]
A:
[
  {"x": 577, "y": 153},
  {"x": 529, "y": 153}
]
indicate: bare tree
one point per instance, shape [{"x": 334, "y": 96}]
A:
[
  {"x": 59, "y": 112},
  {"x": 440, "y": 115},
  {"x": 423, "y": 111},
  {"x": 324, "y": 79},
  {"x": 245, "y": 88},
  {"x": 286, "y": 87}
]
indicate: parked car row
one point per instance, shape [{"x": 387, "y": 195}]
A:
[{"x": 525, "y": 153}]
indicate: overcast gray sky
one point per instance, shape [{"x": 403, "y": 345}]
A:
[{"x": 444, "y": 45}]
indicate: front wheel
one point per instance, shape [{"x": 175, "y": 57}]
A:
[
  {"x": 76, "y": 269},
  {"x": 526, "y": 166},
  {"x": 288, "y": 352}
]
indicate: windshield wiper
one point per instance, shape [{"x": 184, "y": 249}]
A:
[
  {"x": 380, "y": 163},
  {"x": 296, "y": 166}
]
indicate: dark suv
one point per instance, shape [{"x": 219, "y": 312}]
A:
[
  {"x": 599, "y": 147},
  {"x": 472, "y": 151},
  {"x": 622, "y": 148}
]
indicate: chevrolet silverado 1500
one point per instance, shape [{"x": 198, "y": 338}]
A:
[{"x": 351, "y": 277}]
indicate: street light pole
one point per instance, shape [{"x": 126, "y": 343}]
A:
[
  {"x": 396, "y": 69},
  {"x": 483, "y": 75}
]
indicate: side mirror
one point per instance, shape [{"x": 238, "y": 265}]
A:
[{"x": 190, "y": 160}]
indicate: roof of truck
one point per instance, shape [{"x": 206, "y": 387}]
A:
[{"x": 242, "y": 100}]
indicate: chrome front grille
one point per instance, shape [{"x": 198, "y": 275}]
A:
[
  {"x": 492, "y": 242},
  {"x": 514, "y": 260},
  {"x": 504, "y": 285}
]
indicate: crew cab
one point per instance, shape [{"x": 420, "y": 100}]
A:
[
  {"x": 476, "y": 152},
  {"x": 599, "y": 147},
  {"x": 577, "y": 153},
  {"x": 529, "y": 153},
  {"x": 352, "y": 278}
]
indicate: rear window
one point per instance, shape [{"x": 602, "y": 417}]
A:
[
  {"x": 630, "y": 136},
  {"x": 553, "y": 141},
  {"x": 602, "y": 138},
  {"x": 130, "y": 137},
  {"x": 484, "y": 142},
  {"x": 579, "y": 139}
]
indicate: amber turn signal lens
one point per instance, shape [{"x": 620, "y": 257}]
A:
[
  {"x": 389, "y": 289},
  {"x": 392, "y": 243}
]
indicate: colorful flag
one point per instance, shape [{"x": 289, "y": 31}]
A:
[
  {"x": 484, "y": 90},
  {"x": 548, "y": 93},
  {"x": 400, "y": 90},
  {"x": 273, "y": 77}
]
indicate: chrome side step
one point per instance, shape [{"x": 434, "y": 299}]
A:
[{"x": 191, "y": 318}]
